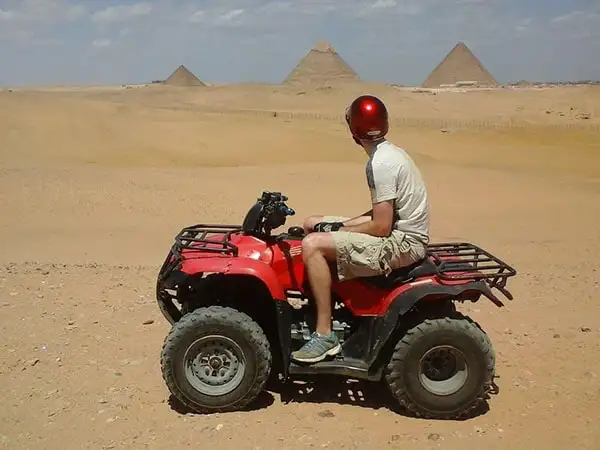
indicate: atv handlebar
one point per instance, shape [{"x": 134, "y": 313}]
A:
[
  {"x": 275, "y": 210},
  {"x": 269, "y": 212},
  {"x": 278, "y": 200}
]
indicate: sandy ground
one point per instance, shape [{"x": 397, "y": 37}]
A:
[{"x": 94, "y": 184}]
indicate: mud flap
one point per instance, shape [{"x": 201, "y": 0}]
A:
[{"x": 164, "y": 299}]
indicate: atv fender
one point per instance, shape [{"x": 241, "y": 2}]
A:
[
  {"x": 237, "y": 266},
  {"x": 256, "y": 269},
  {"x": 403, "y": 299},
  {"x": 408, "y": 295}
]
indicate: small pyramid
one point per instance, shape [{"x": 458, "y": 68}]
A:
[
  {"x": 183, "y": 77},
  {"x": 460, "y": 65},
  {"x": 321, "y": 65}
]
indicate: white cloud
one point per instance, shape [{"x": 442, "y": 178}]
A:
[
  {"x": 121, "y": 13},
  {"x": 384, "y": 4},
  {"x": 197, "y": 17},
  {"x": 273, "y": 7},
  {"x": 101, "y": 43},
  {"x": 31, "y": 15},
  {"x": 574, "y": 15},
  {"x": 578, "y": 25},
  {"x": 34, "y": 10},
  {"x": 231, "y": 14},
  {"x": 75, "y": 12},
  {"x": 231, "y": 17},
  {"x": 523, "y": 25},
  {"x": 41, "y": 10},
  {"x": 6, "y": 15},
  {"x": 394, "y": 8}
]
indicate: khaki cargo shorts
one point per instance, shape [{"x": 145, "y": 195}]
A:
[{"x": 363, "y": 255}]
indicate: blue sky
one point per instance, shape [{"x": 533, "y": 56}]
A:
[{"x": 228, "y": 41}]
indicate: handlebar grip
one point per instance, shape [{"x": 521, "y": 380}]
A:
[{"x": 287, "y": 210}]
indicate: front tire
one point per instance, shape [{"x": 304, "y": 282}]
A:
[
  {"x": 216, "y": 359},
  {"x": 442, "y": 368}
]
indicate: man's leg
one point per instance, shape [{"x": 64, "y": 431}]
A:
[{"x": 317, "y": 250}]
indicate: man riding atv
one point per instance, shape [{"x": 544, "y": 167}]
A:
[{"x": 394, "y": 234}]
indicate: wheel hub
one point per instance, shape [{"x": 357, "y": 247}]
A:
[
  {"x": 214, "y": 365},
  {"x": 443, "y": 370}
]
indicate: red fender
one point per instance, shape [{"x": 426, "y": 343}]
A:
[
  {"x": 237, "y": 266},
  {"x": 433, "y": 287}
]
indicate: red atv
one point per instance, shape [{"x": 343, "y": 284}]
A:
[{"x": 239, "y": 303}]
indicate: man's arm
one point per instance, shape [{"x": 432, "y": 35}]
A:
[
  {"x": 381, "y": 223},
  {"x": 366, "y": 217},
  {"x": 382, "y": 181}
]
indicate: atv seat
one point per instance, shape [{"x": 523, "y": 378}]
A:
[{"x": 422, "y": 268}]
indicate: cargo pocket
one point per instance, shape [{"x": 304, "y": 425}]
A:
[
  {"x": 385, "y": 256},
  {"x": 403, "y": 253}
]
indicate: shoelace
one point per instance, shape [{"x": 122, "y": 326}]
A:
[{"x": 313, "y": 341}]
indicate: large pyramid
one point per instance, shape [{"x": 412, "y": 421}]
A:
[
  {"x": 321, "y": 65},
  {"x": 460, "y": 65},
  {"x": 183, "y": 77}
]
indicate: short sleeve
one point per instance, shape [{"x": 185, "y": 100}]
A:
[{"x": 382, "y": 178}]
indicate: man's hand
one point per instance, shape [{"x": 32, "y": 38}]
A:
[
  {"x": 380, "y": 225},
  {"x": 326, "y": 227}
]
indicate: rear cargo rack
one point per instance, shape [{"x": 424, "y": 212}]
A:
[
  {"x": 465, "y": 261},
  {"x": 204, "y": 238}
]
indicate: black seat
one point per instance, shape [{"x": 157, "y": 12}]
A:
[{"x": 422, "y": 268}]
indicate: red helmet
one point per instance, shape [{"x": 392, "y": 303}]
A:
[{"x": 367, "y": 118}]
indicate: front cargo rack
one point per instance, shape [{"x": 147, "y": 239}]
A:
[
  {"x": 207, "y": 238},
  {"x": 464, "y": 261}
]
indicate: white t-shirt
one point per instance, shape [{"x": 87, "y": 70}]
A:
[{"x": 393, "y": 175}]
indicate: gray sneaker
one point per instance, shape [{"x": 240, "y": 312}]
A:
[{"x": 318, "y": 348}]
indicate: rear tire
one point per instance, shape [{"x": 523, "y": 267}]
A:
[
  {"x": 442, "y": 368},
  {"x": 216, "y": 359}
]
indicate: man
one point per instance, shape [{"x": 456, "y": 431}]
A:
[{"x": 393, "y": 234}]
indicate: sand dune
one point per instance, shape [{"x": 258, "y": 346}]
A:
[{"x": 95, "y": 182}]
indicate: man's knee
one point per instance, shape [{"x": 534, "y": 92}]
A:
[
  {"x": 312, "y": 243},
  {"x": 318, "y": 243},
  {"x": 310, "y": 222}
]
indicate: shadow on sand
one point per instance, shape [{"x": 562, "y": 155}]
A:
[
  {"x": 333, "y": 390},
  {"x": 263, "y": 401},
  {"x": 344, "y": 391}
]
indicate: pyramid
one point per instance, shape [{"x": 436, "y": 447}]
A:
[
  {"x": 183, "y": 77},
  {"x": 460, "y": 65},
  {"x": 321, "y": 65}
]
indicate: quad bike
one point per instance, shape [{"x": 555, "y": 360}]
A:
[{"x": 239, "y": 303}]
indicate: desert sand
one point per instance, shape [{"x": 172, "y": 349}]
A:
[{"x": 95, "y": 182}]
